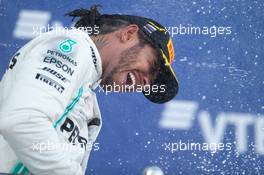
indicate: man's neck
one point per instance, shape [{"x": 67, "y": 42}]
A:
[{"x": 100, "y": 41}]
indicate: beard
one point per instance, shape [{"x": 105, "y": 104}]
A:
[{"x": 127, "y": 58}]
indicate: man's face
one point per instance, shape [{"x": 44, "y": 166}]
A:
[{"x": 136, "y": 67}]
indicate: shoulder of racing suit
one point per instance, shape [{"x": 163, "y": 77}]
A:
[{"x": 43, "y": 80}]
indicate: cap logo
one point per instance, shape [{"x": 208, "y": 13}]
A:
[
  {"x": 149, "y": 28},
  {"x": 170, "y": 51},
  {"x": 157, "y": 28},
  {"x": 167, "y": 63}
]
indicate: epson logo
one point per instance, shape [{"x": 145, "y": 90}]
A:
[
  {"x": 59, "y": 64},
  {"x": 181, "y": 115},
  {"x": 50, "y": 82}
]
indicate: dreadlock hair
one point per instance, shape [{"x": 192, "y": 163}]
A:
[{"x": 105, "y": 23}]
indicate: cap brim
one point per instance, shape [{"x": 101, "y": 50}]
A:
[{"x": 167, "y": 84}]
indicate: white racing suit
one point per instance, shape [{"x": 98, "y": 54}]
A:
[{"x": 49, "y": 115}]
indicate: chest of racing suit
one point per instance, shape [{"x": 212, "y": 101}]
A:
[{"x": 49, "y": 115}]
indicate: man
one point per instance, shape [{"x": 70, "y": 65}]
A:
[{"x": 49, "y": 116}]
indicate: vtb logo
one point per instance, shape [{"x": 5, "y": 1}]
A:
[{"x": 181, "y": 115}]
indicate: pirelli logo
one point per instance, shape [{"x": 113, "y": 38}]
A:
[{"x": 50, "y": 82}]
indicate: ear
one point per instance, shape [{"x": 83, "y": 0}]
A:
[{"x": 129, "y": 33}]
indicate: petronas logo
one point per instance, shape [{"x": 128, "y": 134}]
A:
[{"x": 66, "y": 46}]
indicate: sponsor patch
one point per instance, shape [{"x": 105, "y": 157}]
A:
[
  {"x": 53, "y": 61},
  {"x": 66, "y": 46},
  {"x": 151, "y": 27},
  {"x": 60, "y": 55},
  {"x": 170, "y": 51},
  {"x": 56, "y": 74},
  {"x": 94, "y": 58},
  {"x": 73, "y": 133},
  {"x": 50, "y": 82}
]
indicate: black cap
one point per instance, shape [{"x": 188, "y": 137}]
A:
[{"x": 157, "y": 35}]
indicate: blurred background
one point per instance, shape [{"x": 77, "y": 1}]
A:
[{"x": 221, "y": 96}]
